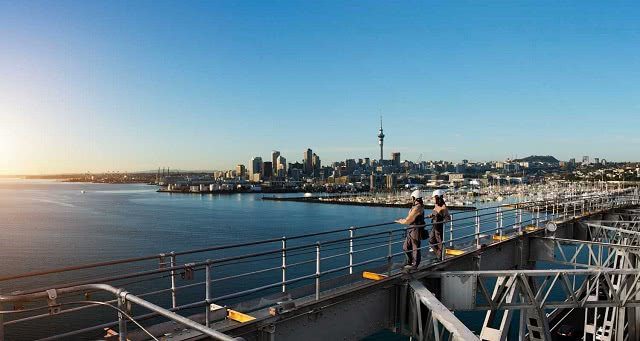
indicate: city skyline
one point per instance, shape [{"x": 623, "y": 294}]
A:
[{"x": 130, "y": 86}]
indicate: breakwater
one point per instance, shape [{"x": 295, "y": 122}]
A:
[{"x": 329, "y": 200}]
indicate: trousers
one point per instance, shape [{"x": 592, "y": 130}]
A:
[
  {"x": 435, "y": 239},
  {"x": 411, "y": 248}
]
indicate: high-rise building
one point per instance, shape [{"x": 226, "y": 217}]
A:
[
  {"x": 267, "y": 170},
  {"x": 395, "y": 157},
  {"x": 274, "y": 159},
  {"x": 391, "y": 181},
  {"x": 308, "y": 162},
  {"x": 241, "y": 171},
  {"x": 350, "y": 165},
  {"x": 381, "y": 139},
  {"x": 585, "y": 159},
  {"x": 281, "y": 166},
  {"x": 572, "y": 161},
  {"x": 596, "y": 160},
  {"x": 316, "y": 165},
  {"x": 256, "y": 167},
  {"x": 376, "y": 182}
]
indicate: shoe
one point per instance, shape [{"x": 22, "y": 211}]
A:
[{"x": 410, "y": 267}]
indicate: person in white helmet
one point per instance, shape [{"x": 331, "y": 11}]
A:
[
  {"x": 415, "y": 230},
  {"x": 439, "y": 216}
]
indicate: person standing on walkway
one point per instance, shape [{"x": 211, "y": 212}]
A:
[
  {"x": 439, "y": 216},
  {"x": 415, "y": 220}
]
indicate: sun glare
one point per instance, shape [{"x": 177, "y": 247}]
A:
[{"x": 8, "y": 151}]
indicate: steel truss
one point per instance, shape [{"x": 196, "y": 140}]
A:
[
  {"x": 607, "y": 286},
  {"x": 533, "y": 292},
  {"x": 431, "y": 320},
  {"x": 581, "y": 254}
]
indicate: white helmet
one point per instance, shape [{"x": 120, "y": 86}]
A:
[
  {"x": 417, "y": 194},
  {"x": 437, "y": 192}
]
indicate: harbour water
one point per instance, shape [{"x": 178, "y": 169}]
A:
[{"x": 48, "y": 224}]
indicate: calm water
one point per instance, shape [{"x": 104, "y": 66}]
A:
[{"x": 48, "y": 224}]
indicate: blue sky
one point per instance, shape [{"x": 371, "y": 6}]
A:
[{"x": 205, "y": 85}]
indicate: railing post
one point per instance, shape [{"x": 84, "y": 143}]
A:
[
  {"x": 284, "y": 263},
  {"x": 207, "y": 289},
  {"x": 389, "y": 253},
  {"x": 317, "y": 271},
  {"x": 497, "y": 221},
  {"x": 1, "y": 324},
  {"x": 351, "y": 233},
  {"x": 537, "y": 215},
  {"x": 519, "y": 213},
  {"x": 451, "y": 230},
  {"x": 122, "y": 322},
  {"x": 172, "y": 263},
  {"x": 546, "y": 211},
  {"x": 477, "y": 229},
  {"x": 501, "y": 222}
]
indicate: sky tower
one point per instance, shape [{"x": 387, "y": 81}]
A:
[{"x": 381, "y": 139}]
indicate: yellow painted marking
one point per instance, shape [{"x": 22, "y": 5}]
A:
[
  {"x": 372, "y": 275},
  {"x": 499, "y": 238},
  {"x": 530, "y": 228},
  {"x": 454, "y": 252},
  {"x": 239, "y": 317}
]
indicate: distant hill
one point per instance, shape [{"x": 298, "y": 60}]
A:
[{"x": 538, "y": 158}]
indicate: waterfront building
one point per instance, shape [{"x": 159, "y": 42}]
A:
[
  {"x": 274, "y": 159},
  {"x": 375, "y": 182},
  {"x": 281, "y": 166},
  {"x": 295, "y": 174},
  {"x": 256, "y": 167},
  {"x": 308, "y": 162},
  {"x": 267, "y": 170},
  {"x": 391, "y": 181},
  {"x": 241, "y": 171},
  {"x": 316, "y": 165}
]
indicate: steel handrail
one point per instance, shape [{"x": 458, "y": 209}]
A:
[
  {"x": 122, "y": 295},
  {"x": 230, "y": 246}
]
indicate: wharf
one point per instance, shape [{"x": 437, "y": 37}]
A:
[
  {"x": 235, "y": 191},
  {"x": 325, "y": 200}
]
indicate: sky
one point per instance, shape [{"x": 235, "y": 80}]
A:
[{"x": 128, "y": 86}]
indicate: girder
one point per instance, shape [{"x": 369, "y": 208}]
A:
[{"x": 431, "y": 320}]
